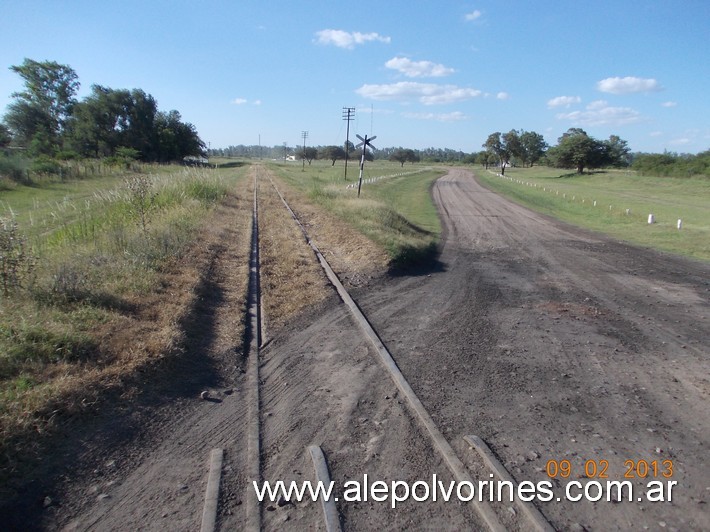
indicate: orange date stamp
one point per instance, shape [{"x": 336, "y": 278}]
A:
[{"x": 600, "y": 469}]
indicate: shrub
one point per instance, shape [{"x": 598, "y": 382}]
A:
[
  {"x": 46, "y": 166},
  {"x": 141, "y": 197},
  {"x": 13, "y": 168}
]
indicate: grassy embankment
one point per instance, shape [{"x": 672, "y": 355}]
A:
[
  {"x": 94, "y": 250},
  {"x": 571, "y": 198},
  {"x": 395, "y": 211}
]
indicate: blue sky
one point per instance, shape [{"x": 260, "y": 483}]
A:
[{"x": 441, "y": 73}]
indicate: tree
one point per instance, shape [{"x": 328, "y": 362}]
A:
[
  {"x": 176, "y": 139},
  {"x": 5, "y": 136},
  {"x": 402, "y": 156},
  {"x": 534, "y": 146},
  {"x": 495, "y": 145},
  {"x": 332, "y": 153},
  {"x": 618, "y": 152},
  {"x": 309, "y": 154},
  {"x": 514, "y": 146},
  {"x": 40, "y": 112},
  {"x": 140, "y": 132},
  {"x": 576, "y": 149},
  {"x": 98, "y": 121},
  {"x": 484, "y": 158}
]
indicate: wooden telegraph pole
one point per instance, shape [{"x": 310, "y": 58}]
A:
[
  {"x": 304, "y": 134},
  {"x": 348, "y": 113},
  {"x": 365, "y": 144}
]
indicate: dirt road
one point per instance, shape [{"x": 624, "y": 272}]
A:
[
  {"x": 546, "y": 341},
  {"x": 552, "y": 343}
]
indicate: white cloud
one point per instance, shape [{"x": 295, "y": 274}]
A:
[
  {"x": 655, "y": 134},
  {"x": 628, "y": 85},
  {"x": 563, "y": 101},
  {"x": 418, "y": 69},
  {"x": 669, "y": 104},
  {"x": 503, "y": 96},
  {"x": 345, "y": 39},
  {"x": 244, "y": 101},
  {"x": 474, "y": 15},
  {"x": 425, "y": 93},
  {"x": 456, "y": 116},
  {"x": 680, "y": 142},
  {"x": 599, "y": 113}
]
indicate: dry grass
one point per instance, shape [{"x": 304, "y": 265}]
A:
[
  {"x": 351, "y": 254},
  {"x": 137, "y": 346},
  {"x": 291, "y": 278}
]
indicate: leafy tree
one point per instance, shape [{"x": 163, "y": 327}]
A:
[
  {"x": 617, "y": 151},
  {"x": 5, "y": 136},
  {"x": 576, "y": 149},
  {"x": 484, "y": 158},
  {"x": 496, "y": 146},
  {"x": 332, "y": 153},
  {"x": 40, "y": 112},
  {"x": 404, "y": 156},
  {"x": 98, "y": 121},
  {"x": 513, "y": 145},
  {"x": 309, "y": 154},
  {"x": 140, "y": 132},
  {"x": 176, "y": 139},
  {"x": 533, "y": 146}
]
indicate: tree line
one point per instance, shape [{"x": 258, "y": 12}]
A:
[
  {"x": 575, "y": 149},
  {"x": 47, "y": 119}
]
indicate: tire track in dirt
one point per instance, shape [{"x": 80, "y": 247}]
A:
[{"x": 533, "y": 333}]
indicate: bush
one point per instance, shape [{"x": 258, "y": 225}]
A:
[
  {"x": 13, "y": 168},
  {"x": 46, "y": 166},
  {"x": 141, "y": 197},
  {"x": 69, "y": 283}
]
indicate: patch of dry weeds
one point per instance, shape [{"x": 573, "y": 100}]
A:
[
  {"x": 291, "y": 278},
  {"x": 352, "y": 255},
  {"x": 142, "y": 345}
]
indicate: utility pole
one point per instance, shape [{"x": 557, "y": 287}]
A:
[
  {"x": 365, "y": 144},
  {"x": 304, "y": 134},
  {"x": 348, "y": 113}
]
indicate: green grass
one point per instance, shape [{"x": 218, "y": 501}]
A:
[
  {"x": 571, "y": 198},
  {"x": 396, "y": 211},
  {"x": 91, "y": 256}
]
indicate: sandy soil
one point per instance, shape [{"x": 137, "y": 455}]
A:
[{"x": 546, "y": 341}]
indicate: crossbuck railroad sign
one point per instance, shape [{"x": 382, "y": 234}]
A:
[{"x": 365, "y": 143}]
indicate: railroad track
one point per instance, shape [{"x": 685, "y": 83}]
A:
[{"x": 331, "y": 519}]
